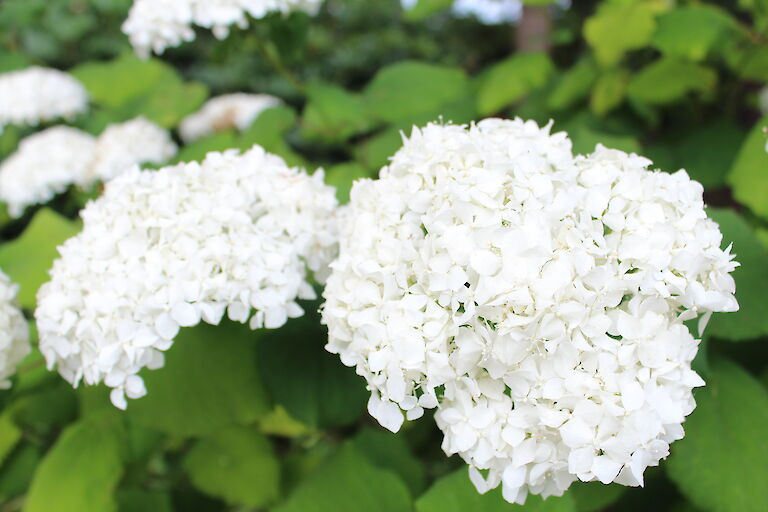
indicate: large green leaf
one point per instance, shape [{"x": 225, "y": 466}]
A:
[
  {"x": 594, "y": 496},
  {"x": 9, "y": 435},
  {"x": 312, "y": 384},
  {"x": 751, "y": 321},
  {"x": 236, "y": 464},
  {"x": 609, "y": 91},
  {"x": 375, "y": 152},
  {"x": 269, "y": 131},
  {"x": 692, "y": 31},
  {"x": 619, "y": 27},
  {"x": 511, "y": 79},
  {"x": 707, "y": 151},
  {"x": 80, "y": 472},
  {"x": 139, "y": 500},
  {"x": 722, "y": 463},
  {"x": 210, "y": 380},
  {"x": 407, "y": 89},
  {"x": 749, "y": 175},
  {"x": 28, "y": 258},
  {"x": 16, "y": 473},
  {"x": 343, "y": 175},
  {"x": 668, "y": 80},
  {"x": 574, "y": 85},
  {"x": 333, "y": 113},
  {"x": 348, "y": 482},
  {"x": 390, "y": 451},
  {"x": 455, "y": 493}
]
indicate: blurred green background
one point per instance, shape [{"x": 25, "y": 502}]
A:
[{"x": 241, "y": 420}]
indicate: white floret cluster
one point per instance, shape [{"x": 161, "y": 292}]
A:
[
  {"x": 35, "y": 94},
  {"x": 48, "y": 162},
  {"x": 14, "y": 333},
  {"x": 45, "y": 164},
  {"x": 536, "y": 299},
  {"x": 165, "y": 249},
  {"x": 123, "y": 145},
  {"x": 238, "y": 110},
  {"x": 154, "y": 25}
]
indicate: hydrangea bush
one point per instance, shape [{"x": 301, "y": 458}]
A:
[{"x": 382, "y": 255}]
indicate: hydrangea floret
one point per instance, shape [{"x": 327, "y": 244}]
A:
[
  {"x": 160, "y": 250},
  {"x": 535, "y": 299}
]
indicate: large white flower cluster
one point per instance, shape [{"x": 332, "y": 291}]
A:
[
  {"x": 535, "y": 299},
  {"x": 238, "y": 110},
  {"x": 154, "y": 25},
  {"x": 165, "y": 249},
  {"x": 14, "y": 333},
  {"x": 48, "y": 162},
  {"x": 35, "y": 94}
]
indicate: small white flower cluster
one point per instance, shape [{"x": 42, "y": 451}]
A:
[
  {"x": 44, "y": 165},
  {"x": 238, "y": 110},
  {"x": 35, "y": 94},
  {"x": 123, "y": 145},
  {"x": 48, "y": 162},
  {"x": 154, "y": 25},
  {"x": 535, "y": 299},
  {"x": 165, "y": 249},
  {"x": 14, "y": 333}
]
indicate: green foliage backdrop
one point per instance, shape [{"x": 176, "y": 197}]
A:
[{"x": 267, "y": 420}]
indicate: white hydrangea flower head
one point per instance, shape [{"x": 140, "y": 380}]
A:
[
  {"x": 535, "y": 299},
  {"x": 165, "y": 249},
  {"x": 238, "y": 110},
  {"x": 123, "y": 145},
  {"x": 44, "y": 165},
  {"x": 14, "y": 333},
  {"x": 35, "y": 94},
  {"x": 154, "y": 25}
]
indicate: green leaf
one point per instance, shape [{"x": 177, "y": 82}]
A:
[
  {"x": 236, "y": 464},
  {"x": 594, "y": 496},
  {"x": 28, "y": 258},
  {"x": 749, "y": 175},
  {"x": 390, "y": 451},
  {"x": 407, "y": 89},
  {"x": 609, "y": 91},
  {"x": 18, "y": 470},
  {"x": 80, "y": 472},
  {"x": 116, "y": 82},
  {"x": 692, "y": 31},
  {"x": 210, "y": 381},
  {"x": 586, "y": 132},
  {"x": 375, "y": 152},
  {"x": 334, "y": 114},
  {"x": 348, "y": 482},
  {"x": 455, "y": 493},
  {"x": 511, "y": 79},
  {"x": 341, "y": 176},
  {"x": 168, "y": 102},
  {"x": 139, "y": 500},
  {"x": 574, "y": 85},
  {"x": 708, "y": 151},
  {"x": 197, "y": 150},
  {"x": 9, "y": 435},
  {"x": 312, "y": 384},
  {"x": 279, "y": 423},
  {"x": 722, "y": 463},
  {"x": 751, "y": 321},
  {"x": 619, "y": 27},
  {"x": 425, "y": 8},
  {"x": 668, "y": 80},
  {"x": 268, "y": 130}
]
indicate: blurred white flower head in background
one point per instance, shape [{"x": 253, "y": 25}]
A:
[
  {"x": 154, "y": 25},
  {"x": 160, "y": 250},
  {"x": 489, "y": 12},
  {"x": 48, "y": 162},
  {"x": 536, "y": 299},
  {"x": 34, "y": 95},
  {"x": 14, "y": 332},
  {"x": 238, "y": 110}
]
